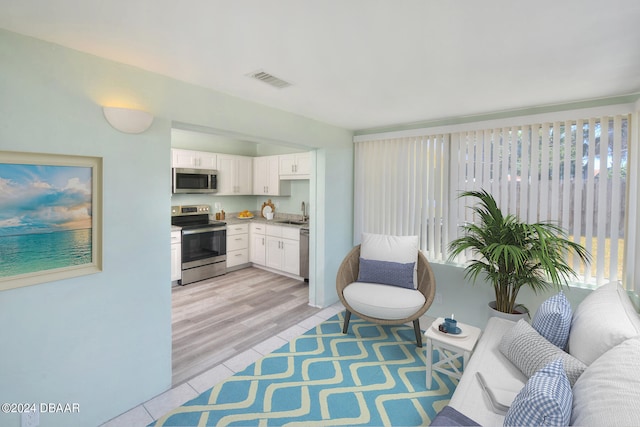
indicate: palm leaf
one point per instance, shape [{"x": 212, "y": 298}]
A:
[{"x": 512, "y": 254}]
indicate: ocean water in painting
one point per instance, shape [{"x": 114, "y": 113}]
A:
[
  {"x": 45, "y": 217},
  {"x": 29, "y": 253}
]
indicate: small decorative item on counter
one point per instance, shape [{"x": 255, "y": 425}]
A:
[
  {"x": 267, "y": 207},
  {"x": 220, "y": 215},
  {"x": 245, "y": 214}
]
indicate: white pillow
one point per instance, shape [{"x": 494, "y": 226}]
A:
[
  {"x": 607, "y": 392},
  {"x": 381, "y": 247},
  {"x": 604, "y": 319},
  {"x": 399, "y": 249}
]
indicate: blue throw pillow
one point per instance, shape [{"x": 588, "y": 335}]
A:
[
  {"x": 386, "y": 273},
  {"x": 545, "y": 399},
  {"x": 553, "y": 320}
]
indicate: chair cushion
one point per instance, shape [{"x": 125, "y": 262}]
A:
[
  {"x": 553, "y": 320},
  {"x": 386, "y": 273},
  {"x": 397, "y": 249},
  {"x": 383, "y": 301},
  {"x": 545, "y": 399},
  {"x": 604, "y": 319}
]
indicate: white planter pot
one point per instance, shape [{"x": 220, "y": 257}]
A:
[{"x": 509, "y": 316}]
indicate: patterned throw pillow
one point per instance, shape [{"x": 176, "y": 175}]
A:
[
  {"x": 386, "y": 273},
  {"x": 553, "y": 320},
  {"x": 530, "y": 351},
  {"x": 545, "y": 399}
]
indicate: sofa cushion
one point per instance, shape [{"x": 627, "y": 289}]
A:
[
  {"x": 449, "y": 417},
  {"x": 383, "y": 301},
  {"x": 607, "y": 393},
  {"x": 604, "y": 319},
  {"x": 553, "y": 320},
  {"x": 386, "y": 273},
  {"x": 530, "y": 352},
  {"x": 502, "y": 376},
  {"x": 545, "y": 399},
  {"x": 382, "y": 247}
]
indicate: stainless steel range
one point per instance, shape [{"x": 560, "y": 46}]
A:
[{"x": 204, "y": 243}]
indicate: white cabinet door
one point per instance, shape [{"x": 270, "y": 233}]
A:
[
  {"x": 283, "y": 249},
  {"x": 291, "y": 256},
  {"x": 274, "y": 252},
  {"x": 295, "y": 166},
  {"x": 245, "y": 175},
  {"x": 176, "y": 255},
  {"x": 266, "y": 178},
  {"x": 257, "y": 243},
  {"x": 234, "y": 175},
  {"x": 193, "y": 159},
  {"x": 257, "y": 249},
  {"x": 226, "y": 178}
]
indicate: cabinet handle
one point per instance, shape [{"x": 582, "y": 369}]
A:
[
  {"x": 238, "y": 238},
  {"x": 238, "y": 254}
]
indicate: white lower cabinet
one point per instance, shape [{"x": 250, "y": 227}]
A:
[
  {"x": 283, "y": 248},
  {"x": 257, "y": 243},
  {"x": 237, "y": 245},
  {"x": 176, "y": 255}
]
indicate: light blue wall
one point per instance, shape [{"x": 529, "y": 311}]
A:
[
  {"x": 468, "y": 302},
  {"x": 104, "y": 340}
]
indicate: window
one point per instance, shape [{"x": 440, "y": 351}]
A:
[{"x": 572, "y": 172}]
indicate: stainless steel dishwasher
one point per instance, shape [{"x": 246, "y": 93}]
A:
[{"x": 304, "y": 253}]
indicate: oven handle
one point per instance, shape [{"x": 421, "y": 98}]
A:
[{"x": 202, "y": 230}]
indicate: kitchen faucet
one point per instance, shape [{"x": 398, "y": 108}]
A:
[{"x": 304, "y": 212}]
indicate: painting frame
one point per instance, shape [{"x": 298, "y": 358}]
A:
[{"x": 89, "y": 259}]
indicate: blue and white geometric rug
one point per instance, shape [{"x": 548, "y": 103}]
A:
[{"x": 374, "y": 375}]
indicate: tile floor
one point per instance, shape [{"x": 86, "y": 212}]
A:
[{"x": 153, "y": 409}]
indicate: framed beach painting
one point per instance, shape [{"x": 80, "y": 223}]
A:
[{"x": 50, "y": 217}]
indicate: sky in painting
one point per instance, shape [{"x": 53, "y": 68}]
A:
[{"x": 42, "y": 199}]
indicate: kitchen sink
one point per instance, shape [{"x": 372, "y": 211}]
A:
[{"x": 291, "y": 221}]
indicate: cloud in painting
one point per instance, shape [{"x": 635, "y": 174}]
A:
[{"x": 38, "y": 199}]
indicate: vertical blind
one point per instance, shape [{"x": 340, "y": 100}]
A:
[
  {"x": 573, "y": 173},
  {"x": 401, "y": 189}
]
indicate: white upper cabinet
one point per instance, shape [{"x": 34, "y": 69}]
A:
[
  {"x": 266, "y": 178},
  {"x": 193, "y": 159},
  {"x": 234, "y": 175},
  {"x": 295, "y": 166}
]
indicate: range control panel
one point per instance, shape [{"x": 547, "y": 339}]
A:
[{"x": 190, "y": 210}]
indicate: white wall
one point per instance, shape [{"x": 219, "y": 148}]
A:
[{"x": 104, "y": 340}]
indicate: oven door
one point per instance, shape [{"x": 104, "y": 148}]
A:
[{"x": 203, "y": 245}]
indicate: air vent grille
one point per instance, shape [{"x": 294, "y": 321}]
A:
[{"x": 270, "y": 79}]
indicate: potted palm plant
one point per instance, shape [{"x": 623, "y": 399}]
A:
[{"x": 512, "y": 254}]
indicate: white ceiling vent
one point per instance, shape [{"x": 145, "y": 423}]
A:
[{"x": 269, "y": 79}]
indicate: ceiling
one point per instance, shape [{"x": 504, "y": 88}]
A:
[{"x": 361, "y": 64}]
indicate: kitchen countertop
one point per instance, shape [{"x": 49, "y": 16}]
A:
[{"x": 231, "y": 220}]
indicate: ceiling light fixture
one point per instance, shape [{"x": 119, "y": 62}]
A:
[{"x": 128, "y": 120}]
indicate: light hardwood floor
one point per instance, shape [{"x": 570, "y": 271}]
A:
[{"x": 216, "y": 319}]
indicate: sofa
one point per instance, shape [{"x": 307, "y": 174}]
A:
[{"x": 568, "y": 367}]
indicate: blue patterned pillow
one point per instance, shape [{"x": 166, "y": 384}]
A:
[
  {"x": 553, "y": 320},
  {"x": 386, "y": 273},
  {"x": 545, "y": 399}
]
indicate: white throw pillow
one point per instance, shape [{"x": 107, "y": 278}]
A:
[
  {"x": 608, "y": 392},
  {"x": 604, "y": 319},
  {"x": 398, "y": 249}
]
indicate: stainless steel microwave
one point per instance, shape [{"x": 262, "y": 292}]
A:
[{"x": 197, "y": 181}]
